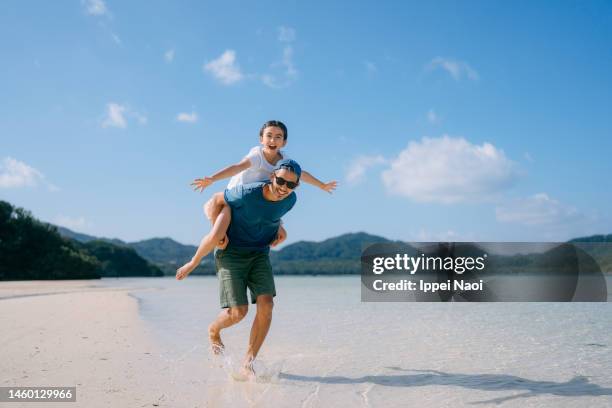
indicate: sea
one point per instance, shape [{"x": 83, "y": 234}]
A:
[{"x": 328, "y": 348}]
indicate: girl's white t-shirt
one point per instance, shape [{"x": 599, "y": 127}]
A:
[{"x": 259, "y": 171}]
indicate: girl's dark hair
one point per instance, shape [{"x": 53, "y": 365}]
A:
[{"x": 274, "y": 123}]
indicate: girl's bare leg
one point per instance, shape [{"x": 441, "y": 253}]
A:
[
  {"x": 208, "y": 243},
  {"x": 212, "y": 211}
]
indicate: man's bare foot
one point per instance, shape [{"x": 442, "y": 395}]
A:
[
  {"x": 183, "y": 271},
  {"x": 247, "y": 372},
  {"x": 214, "y": 337}
]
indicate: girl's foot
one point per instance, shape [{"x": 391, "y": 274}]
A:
[{"x": 223, "y": 242}]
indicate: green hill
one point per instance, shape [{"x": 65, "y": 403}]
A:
[
  {"x": 338, "y": 255},
  {"x": 30, "y": 249},
  {"x": 119, "y": 260},
  {"x": 168, "y": 255},
  {"x": 599, "y": 247},
  {"x": 165, "y": 253}
]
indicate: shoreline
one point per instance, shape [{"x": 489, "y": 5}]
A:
[{"x": 72, "y": 333}]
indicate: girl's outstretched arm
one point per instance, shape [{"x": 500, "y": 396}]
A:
[
  {"x": 229, "y": 171},
  {"x": 310, "y": 179}
]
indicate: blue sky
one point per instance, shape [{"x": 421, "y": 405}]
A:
[{"x": 475, "y": 121}]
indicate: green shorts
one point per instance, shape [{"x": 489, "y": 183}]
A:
[{"x": 239, "y": 269}]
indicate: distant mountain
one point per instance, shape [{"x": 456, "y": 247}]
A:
[
  {"x": 84, "y": 238},
  {"x": 169, "y": 255},
  {"x": 594, "y": 238},
  {"x": 346, "y": 246},
  {"x": 337, "y": 255},
  {"x": 164, "y": 250},
  {"x": 119, "y": 260},
  {"x": 599, "y": 247},
  {"x": 164, "y": 253},
  {"x": 333, "y": 256}
]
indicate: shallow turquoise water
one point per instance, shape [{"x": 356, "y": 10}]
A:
[{"x": 326, "y": 347}]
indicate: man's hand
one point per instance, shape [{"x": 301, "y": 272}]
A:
[
  {"x": 280, "y": 237},
  {"x": 202, "y": 183},
  {"x": 329, "y": 187}
]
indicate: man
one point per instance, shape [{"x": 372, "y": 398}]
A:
[{"x": 256, "y": 212}]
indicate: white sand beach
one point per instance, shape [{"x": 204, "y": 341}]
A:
[{"x": 77, "y": 333}]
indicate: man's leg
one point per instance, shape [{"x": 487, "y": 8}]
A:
[
  {"x": 260, "y": 328},
  {"x": 228, "y": 317},
  {"x": 232, "y": 268}
]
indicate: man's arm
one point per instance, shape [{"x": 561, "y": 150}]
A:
[
  {"x": 229, "y": 171},
  {"x": 310, "y": 179}
]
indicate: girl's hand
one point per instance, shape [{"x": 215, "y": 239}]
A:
[
  {"x": 329, "y": 187},
  {"x": 223, "y": 243},
  {"x": 202, "y": 183}
]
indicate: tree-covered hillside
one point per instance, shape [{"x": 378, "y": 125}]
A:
[{"x": 30, "y": 249}]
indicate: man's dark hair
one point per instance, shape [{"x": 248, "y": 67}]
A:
[{"x": 274, "y": 123}]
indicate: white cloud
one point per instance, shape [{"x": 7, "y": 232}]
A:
[
  {"x": 433, "y": 117},
  {"x": 538, "y": 209},
  {"x": 225, "y": 69},
  {"x": 142, "y": 119},
  {"x": 358, "y": 167},
  {"x": 14, "y": 174},
  {"x": 283, "y": 72},
  {"x": 288, "y": 73},
  {"x": 187, "y": 117},
  {"x": 169, "y": 56},
  {"x": 116, "y": 38},
  {"x": 269, "y": 80},
  {"x": 287, "y": 62},
  {"x": 457, "y": 69},
  {"x": 76, "y": 224},
  {"x": 95, "y": 7},
  {"x": 448, "y": 170},
  {"x": 115, "y": 116},
  {"x": 286, "y": 34},
  {"x": 370, "y": 67},
  {"x": 444, "y": 236}
]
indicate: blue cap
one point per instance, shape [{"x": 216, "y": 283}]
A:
[{"x": 290, "y": 165}]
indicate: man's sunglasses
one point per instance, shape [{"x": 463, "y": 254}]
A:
[{"x": 281, "y": 182}]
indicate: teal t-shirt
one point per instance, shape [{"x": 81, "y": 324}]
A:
[{"x": 255, "y": 220}]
